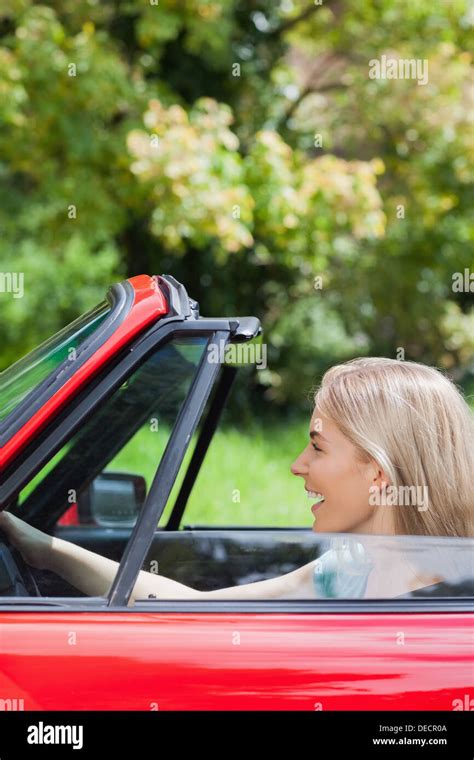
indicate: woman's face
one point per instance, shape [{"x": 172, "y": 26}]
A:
[{"x": 330, "y": 468}]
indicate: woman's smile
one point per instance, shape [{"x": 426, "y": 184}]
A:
[{"x": 315, "y": 495}]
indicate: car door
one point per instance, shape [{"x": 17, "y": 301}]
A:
[{"x": 286, "y": 655}]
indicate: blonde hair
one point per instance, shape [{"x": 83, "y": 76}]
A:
[{"x": 414, "y": 422}]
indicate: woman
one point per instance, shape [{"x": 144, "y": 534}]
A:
[{"x": 390, "y": 452}]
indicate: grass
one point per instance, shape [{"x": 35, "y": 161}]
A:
[{"x": 244, "y": 480}]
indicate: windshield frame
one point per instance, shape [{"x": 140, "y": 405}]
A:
[
  {"x": 46, "y": 502},
  {"x": 44, "y": 361},
  {"x": 120, "y": 298},
  {"x": 51, "y": 441},
  {"x": 45, "y": 445}
]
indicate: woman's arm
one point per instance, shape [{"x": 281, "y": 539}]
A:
[{"x": 93, "y": 574}]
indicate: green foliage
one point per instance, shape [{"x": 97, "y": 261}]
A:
[
  {"x": 243, "y": 147},
  {"x": 56, "y": 289},
  {"x": 202, "y": 189},
  {"x": 195, "y": 174}
]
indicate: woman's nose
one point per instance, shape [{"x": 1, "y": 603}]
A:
[{"x": 297, "y": 468}]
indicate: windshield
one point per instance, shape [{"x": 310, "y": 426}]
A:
[{"x": 21, "y": 378}]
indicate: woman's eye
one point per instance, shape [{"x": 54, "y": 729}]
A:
[{"x": 316, "y": 448}]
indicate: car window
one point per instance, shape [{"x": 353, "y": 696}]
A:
[
  {"x": 103, "y": 473},
  {"x": 336, "y": 566},
  {"x": 26, "y": 374}
]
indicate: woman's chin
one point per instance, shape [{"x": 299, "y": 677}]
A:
[
  {"x": 318, "y": 527},
  {"x": 322, "y": 524}
]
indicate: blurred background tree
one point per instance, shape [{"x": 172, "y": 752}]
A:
[{"x": 241, "y": 146}]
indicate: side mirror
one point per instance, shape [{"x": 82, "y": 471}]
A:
[{"x": 113, "y": 499}]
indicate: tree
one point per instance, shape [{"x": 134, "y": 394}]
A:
[{"x": 242, "y": 146}]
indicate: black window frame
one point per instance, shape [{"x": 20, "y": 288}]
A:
[{"x": 49, "y": 441}]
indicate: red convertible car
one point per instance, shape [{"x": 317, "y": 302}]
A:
[{"x": 145, "y": 360}]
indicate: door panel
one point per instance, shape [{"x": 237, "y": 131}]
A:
[{"x": 221, "y": 661}]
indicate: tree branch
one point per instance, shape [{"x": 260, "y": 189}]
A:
[
  {"x": 322, "y": 78},
  {"x": 291, "y": 22},
  {"x": 309, "y": 90}
]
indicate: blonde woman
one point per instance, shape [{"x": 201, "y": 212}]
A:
[{"x": 390, "y": 453}]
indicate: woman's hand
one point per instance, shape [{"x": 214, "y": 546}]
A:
[{"x": 34, "y": 546}]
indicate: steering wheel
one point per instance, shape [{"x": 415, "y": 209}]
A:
[{"x": 17, "y": 570}]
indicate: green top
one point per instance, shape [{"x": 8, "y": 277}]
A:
[{"x": 342, "y": 572}]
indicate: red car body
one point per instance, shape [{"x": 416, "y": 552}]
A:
[
  {"x": 414, "y": 654},
  {"x": 190, "y": 661}
]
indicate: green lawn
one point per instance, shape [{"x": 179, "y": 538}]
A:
[{"x": 245, "y": 478}]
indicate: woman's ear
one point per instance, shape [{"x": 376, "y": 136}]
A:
[{"x": 380, "y": 479}]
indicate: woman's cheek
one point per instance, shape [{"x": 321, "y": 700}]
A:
[{"x": 318, "y": 474}]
